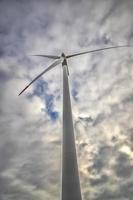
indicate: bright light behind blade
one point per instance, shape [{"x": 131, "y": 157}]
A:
[
  {"x": 46, "y": 70},
  {"x": 91, "y": 51}
]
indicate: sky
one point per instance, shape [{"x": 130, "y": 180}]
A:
[{"x": 101, "y": 93}]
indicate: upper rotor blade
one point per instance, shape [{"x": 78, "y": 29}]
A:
[
  {"x": 48, "y": 56},
  {"x": 43, "y": 72},
  {"x": 101, "y": 49}
]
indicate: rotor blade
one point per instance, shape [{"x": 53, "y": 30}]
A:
[
  {"x": 46, "y": 70},
  {"x": 91, "y": 51},
  {"x": 48, "y": 56}
]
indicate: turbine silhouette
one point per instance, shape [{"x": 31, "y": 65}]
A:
[{"x": 70, "y": 175}]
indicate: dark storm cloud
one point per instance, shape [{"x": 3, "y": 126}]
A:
[
  {"x": 11, "y": 25},
  {"x": 128, "y": 99},
  {"x": 123, "y": 167},
  {"x": 127, "y": 190},
  {"x": 101, "y": 159},
  {"x": 130, "y": 131},
  {"x": 99, "y": 119},
  {"x": 18, "y": 23},
  {"x": 4, "y": 76},
  {"x": 7, "y": 151},
  {"x": 115, "y": 5}
]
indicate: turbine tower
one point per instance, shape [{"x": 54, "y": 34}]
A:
[{"x": 70, "y": 175}]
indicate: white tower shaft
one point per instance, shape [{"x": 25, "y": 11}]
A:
[{"x": 70, "y": 175}]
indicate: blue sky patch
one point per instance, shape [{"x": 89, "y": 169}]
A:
[{"x": 41, "y": 88}]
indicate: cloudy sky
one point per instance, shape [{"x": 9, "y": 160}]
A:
[{"x": 102, "y": 97}]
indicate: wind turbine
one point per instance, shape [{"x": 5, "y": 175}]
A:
[{"x": 70, "y": 176}]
